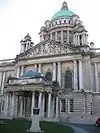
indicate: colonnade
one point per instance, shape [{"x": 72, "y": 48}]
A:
[
  {"x": 57, "y": 72},
  {"x": 14, "y": 108}
]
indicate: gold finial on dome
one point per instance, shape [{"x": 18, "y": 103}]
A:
[{"x": 64, "y": 6}]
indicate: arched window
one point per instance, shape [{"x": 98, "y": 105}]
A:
[
  {"x": 68, "y": 79},
  {"x": 48, "y": 76}
]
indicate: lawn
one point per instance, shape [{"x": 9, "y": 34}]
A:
[{"x": 21, "y": 125}]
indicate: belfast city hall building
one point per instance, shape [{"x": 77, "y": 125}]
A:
[{"x": 60, "y": 75}]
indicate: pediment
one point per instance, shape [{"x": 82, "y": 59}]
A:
[{"x": 50, "y": 48}]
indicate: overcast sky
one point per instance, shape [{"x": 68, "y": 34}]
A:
[{"x": 19, "y": 17}]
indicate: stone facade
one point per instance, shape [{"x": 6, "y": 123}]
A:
[{"x": 64, "y": 57}]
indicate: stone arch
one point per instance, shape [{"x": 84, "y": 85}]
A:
[
  {"x": 68, "y": 79},
  {"x": 48, "y": 75}
]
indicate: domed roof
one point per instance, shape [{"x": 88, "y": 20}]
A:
[
  {"x": 63, "y": 13},
  {"x": 32, "y": 74}
]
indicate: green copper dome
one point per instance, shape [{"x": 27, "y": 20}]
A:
[
  {"x": 32, "y": 74},
  {"x": 63, "y": 13}
]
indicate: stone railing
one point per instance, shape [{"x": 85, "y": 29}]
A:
[
  {"x": 25, "y": 81},
  {"x": 7, "y": 61}
]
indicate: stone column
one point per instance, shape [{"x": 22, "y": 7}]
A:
[
  {"x": 33, "y": 103},
  {"x": 39, "y": 103},
  {"x": 3, "y": 82},
  {"x": 96, "y": 77},
  {"x": 53, "y": 101},
  {"x": 35, "y": 67},
  {"x": 12, "y": 104},
  {"x": 54, "y": 72},
  {"x": 56, "y": 39},
  {"x": 78, "y": 40},
  {"x": 21, "y": 107},
  {"x": 18, "y": 71},
  {"x": 50, "y": 36},
  {"x": 74, "y": 39},
  {"x": 22, "y": 70},
  {"x": 61, "y": 36},
  {"x": 49, "y": 105},
  {"x": 75, "y": 75},
  {"x": 84, "y": 42},
  {"x": 43, "y": 102},
  {"x": 6, "y": 105},
  {"x": 57, "y": 107},
  {"x": 80, "y": 74},
  {"x": 59, "y": 73},
  {"x": 67, "y": 36},
  {"x": 39, "y": 70}
]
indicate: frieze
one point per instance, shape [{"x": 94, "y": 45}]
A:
[{"x": 49, "y": 48}]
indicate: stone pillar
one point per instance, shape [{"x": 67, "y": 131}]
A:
[
  {"x": 56, "y": 39},
  {"x": 74, "y": 39},
  {"x": 22, "y": 70},
  {"x": 96, "y": 77},
  {"x": 12, "y": 104},
  {"x": 18, "y": 71},
  {"x": 35, "y": 67},
  {"x": 80, "y": 74},
  {"x": 49, "y": 104},
  {"x": 3, "y": 82},
  {"x": 54, "y": 72},
  {"x": 57, "y": 107},
  {"x": 50, "y": 36},
  {"x": 39, "y": 103},
  {"x": 53, "y": 101},
  {"x": 67, "y": 36},
  {"x": 78, "y": 40},
  {"x": 84, "y": 39},
  {"x": 59, "y": 73},
  {"x": 33, "y": 103},
  {"x": 21, "y": 106},
  {"x": 75, "y": 75},
  {"x": 61, "y": 36},
  {"x": 39, "y": 70},
  {"x": 43, "y": 102},
  {"x": 6, "y": 105}
]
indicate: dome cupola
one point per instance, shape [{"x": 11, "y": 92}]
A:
[{"x": 63, "y": 13}]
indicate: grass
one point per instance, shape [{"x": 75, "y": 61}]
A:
[{"x": 21, "y": 125}]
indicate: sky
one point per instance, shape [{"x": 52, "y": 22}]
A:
[{"x": 19, "y": 17}]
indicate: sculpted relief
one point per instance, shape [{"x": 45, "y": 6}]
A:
[{"x": 49, "y": 48}]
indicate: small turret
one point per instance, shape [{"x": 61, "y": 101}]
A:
[{"x": 26, "y": 43}]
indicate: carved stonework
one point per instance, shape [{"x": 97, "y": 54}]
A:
[{"x": 49, "y": 48}]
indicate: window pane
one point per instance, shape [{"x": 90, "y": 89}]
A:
[
  {"x": 68, "y": 79},
  {"x": 48, "y": 76}
]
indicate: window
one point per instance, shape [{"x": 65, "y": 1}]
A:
[
  {"x": 63, "y": 108},
  {"x": 60, "y": 22},
  {"x": 71, "y": 105},
  {"x": 48, "y": 76},
  {"x": 68, "y": 79},
  {"x": 64, "y": 21},
  {"x": 55, "y": 23}
]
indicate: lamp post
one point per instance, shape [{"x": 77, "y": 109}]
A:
[{"x": 91, "y": 107}]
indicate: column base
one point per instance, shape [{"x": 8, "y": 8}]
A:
[{"x": 35, "y": 131}]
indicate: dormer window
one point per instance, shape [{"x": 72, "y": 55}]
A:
[
  {"x": 55, "y": 23},
  {"x": 64, "y": 21},
  {"x": 60, "y": 22}
]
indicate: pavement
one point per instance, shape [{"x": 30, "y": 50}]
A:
[{"x": 83, "y": 128}]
